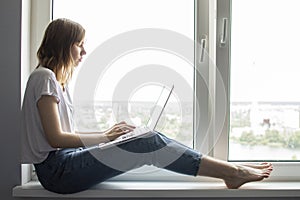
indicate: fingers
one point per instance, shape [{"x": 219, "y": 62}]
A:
[
  {"x": 124, "y": 126},
  {"x": 119, "y": 129}
]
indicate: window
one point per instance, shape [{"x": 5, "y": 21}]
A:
[
  {"x": 265, "y": 103},
  {"x": 258, "y": 62},
  {"x": 219, "y": 111},
  {"x": 179, "y": 23},
  {"x": 127, "y": 30},
  {"x": 131, "y": 47}
]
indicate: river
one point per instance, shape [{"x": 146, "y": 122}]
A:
[{"x": 259, "y": 152}]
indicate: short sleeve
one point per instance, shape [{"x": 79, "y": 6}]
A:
[{"x": 46, "y": 85}]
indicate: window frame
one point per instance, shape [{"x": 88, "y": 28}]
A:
[
  {"x": 208, "y": 16},
  {"x": 35, "y": 17},
  {"x": 283, "y": 171}
]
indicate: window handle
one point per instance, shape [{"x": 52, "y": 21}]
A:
[
  {"x": 223, "y": 39},
  {"x": 203, "y": 42}
]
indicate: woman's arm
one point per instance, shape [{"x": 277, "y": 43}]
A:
[{"x": 57, "y": 138}]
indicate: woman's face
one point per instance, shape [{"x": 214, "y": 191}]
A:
[{"x": 78, "y": 52}]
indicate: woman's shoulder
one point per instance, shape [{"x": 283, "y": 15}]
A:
[
  {"x": 42, "y": 81},
  {"x": 42, "y": 77},
  {"x": 42, "y": 73}
]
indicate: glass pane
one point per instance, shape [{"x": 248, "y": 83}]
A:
[
  {"x": 265, "y": 97},
  {"x": 108, "y": 20}
]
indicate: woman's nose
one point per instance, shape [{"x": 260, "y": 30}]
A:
[{"x": 83, "y": 52}]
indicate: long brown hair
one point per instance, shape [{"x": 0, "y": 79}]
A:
[{"x": 55, "y": 50}]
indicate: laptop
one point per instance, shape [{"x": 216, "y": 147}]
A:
[{"x": 144, "y": 131}]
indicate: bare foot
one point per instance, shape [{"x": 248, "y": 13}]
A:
[
  {"x": 234, "y": 175},
  {"x": 248, "y": 173}
]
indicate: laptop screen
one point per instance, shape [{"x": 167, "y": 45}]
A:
[{"x": 159, "y": 107}]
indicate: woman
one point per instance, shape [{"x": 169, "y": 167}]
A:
[{"x": 67, "y": 161}]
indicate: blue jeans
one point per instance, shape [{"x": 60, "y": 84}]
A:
[{"x": 76, "y": 169}]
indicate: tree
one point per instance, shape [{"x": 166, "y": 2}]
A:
[
  {"x": 273, "y": 136},
  {"x": 294, "y": 140},
  {"x": 248, "y": 138}
]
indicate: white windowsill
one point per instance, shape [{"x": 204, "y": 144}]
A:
[{"x": 140, "y": 189}]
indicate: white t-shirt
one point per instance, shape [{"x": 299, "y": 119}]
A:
[{"x": 34, "y": 145}]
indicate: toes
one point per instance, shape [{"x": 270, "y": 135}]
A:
[
  {"x": 263, "y": 165},
  {"x": 266, "y": 174}
]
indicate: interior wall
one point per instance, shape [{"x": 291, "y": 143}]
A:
[{"x": 10, "y": 84}]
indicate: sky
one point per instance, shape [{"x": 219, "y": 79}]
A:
[
  {"x": 107, "y": 18},
  {"x": 264, "y": 48}
]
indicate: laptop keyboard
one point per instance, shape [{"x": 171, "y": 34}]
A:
[{"x": 136, "y": 132}]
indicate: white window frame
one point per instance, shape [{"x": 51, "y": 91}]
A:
[
  {"x": 36, "y": 15},
  {"x": 283, "y": 171},
  {"x": 209, "y": 15}
]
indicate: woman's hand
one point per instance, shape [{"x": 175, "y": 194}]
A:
[{"x": 117, "y": 130}]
